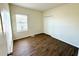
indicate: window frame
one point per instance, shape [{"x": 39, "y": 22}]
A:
[{"x": 26, "y": 23}]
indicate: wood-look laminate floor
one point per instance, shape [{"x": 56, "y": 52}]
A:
[{"x": 42, "y": 45}]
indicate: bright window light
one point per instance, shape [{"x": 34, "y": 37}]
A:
[{"x": 21, "y": 23}]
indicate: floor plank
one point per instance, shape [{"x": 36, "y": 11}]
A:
[{"x": 42, "y": 45}]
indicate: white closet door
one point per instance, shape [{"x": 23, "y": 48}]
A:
[
  {"x": 3, "y": 43},
  {"x": 48, "y": 25}
]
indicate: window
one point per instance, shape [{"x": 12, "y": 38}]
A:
[{"x": 21, "y": 23}]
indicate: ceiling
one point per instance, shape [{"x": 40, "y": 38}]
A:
[{"x": 39, "y": 6}]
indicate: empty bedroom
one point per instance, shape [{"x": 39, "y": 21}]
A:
[{"x": 39, "y": 29}]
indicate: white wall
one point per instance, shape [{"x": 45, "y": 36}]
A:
[
  {"x": 64, "y": 22},
  {"x": 6, "y": 21},
  {"x": 35, "y": 24}
]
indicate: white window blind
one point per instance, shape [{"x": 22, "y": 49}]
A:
[{"x": 21, "y": 23}]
